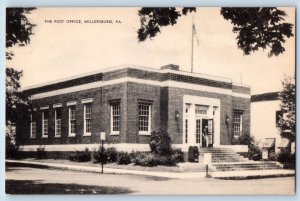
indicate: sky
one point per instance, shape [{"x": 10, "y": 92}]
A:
[{"x": 61, "y": 50}]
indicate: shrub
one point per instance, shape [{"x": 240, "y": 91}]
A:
[
  {"x": 160, "y": 143},
  {"x": 286, "y": 157},
  {"x": 152, "y": 160},
  {"x": 254, "y": 151},
  {"x": 177, "y": 156},
  {"x": 112, "y": 154},
  {"x": 124, "y": 158},
  {"x": 41, "y": 153},
  {"x": 11, "y": 149},
  {"x": 81, "y": 156},
  {"x": 273, "y": 157},
  {"x": 99, "y": 156}
]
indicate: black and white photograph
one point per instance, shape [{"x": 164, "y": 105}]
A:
[{"x": 150, "y": 100}]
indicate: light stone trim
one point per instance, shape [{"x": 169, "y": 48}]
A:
[
  {"x": 168, "y": 83},
  {"x": 121, "y": 67},
  {"x": 57, "y": 105},
  {"x": 70, "y": 103},
  {"x": 44, "y": 107},
  {"x": 87, "y": 100},
  {"x": 128, "y": 147}
]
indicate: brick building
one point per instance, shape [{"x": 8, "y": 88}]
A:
[{"x": 128, "y": 102}]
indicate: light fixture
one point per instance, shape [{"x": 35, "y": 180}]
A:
[
  {"x": 176, "y": 115},
  {"x": 227, "y": 120}
]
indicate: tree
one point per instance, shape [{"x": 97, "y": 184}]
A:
[
  {"x": 18, "y": 32},
  {"x": 256, "y": 28},
  {"x": 18, "y": 28},
  {"x": 287, "y": 122},
  {"x": 16, "y": 102}
]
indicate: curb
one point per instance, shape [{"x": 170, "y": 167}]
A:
[
  {"x": 170, "y": 175},
  {"x": 108, "y": 170}
]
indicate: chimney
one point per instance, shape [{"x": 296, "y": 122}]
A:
[{"x": 170, "y": 66}]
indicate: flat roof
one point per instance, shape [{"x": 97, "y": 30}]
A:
[
  {"x": 120, "y": 67},
  {"x": 270, "y": 96}
]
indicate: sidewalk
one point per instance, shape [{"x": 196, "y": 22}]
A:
[
  {"x": 232, "y": 175},
  {"x": 172, "y": 175}
]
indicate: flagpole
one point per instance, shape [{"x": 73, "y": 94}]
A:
[{"x": 192, "y": 56}]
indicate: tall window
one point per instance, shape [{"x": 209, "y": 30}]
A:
[
  {"x": 115, "y": 118},
  {"x": 32, "y": 125},
  {"x": 186, "y": 130},
  {"x": 45, "y": 123},
  {"x": 144, "y": 118},
  {"x": 87, "y": 119},
  {"x": 72, "y": 121},
  {"x": 237, "y": 123},
  {"x": 57, "y": 122}
]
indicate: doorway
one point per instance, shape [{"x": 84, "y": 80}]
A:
[{"x": 207, "y": 130}]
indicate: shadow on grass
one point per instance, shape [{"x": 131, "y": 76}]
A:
[{"x": 37, "y": 187}]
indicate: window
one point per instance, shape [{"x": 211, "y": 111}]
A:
[
  {"x": 87, "y": 119},
  {"x": 72, "y": 121},
  {"x": 32, "y": 126},
  {"x": 115, "y": 118},
  {"x": 186, "y": 130},
  {"x": 45, "y": 121},
  {"x": 144, "y": 118},
  {"x": 237, "y": 123},
  {"x": 201, "y": 109},
  {"x": 57, "y": 122}
]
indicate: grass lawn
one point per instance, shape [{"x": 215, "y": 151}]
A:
[{"x": 181, "y": 167}]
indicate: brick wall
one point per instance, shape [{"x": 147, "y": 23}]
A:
[{"x": 164, "y": 100}]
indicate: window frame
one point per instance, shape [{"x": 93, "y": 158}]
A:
[
  {"x": 85, "y": 120},
  {"x": 55, "y": 122},
  {"x": 44, "y": 135},
  {"x": 31, "y": 126},
  {"x": 112, "y": 115},
  {"x": 240, "y": 123},
  {"x": 149, "y": 105},
  {"x": 70, "y": 134}
]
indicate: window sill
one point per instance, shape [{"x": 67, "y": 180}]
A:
[
  {"x": 87, "y": 134},
  {"x": 45, "y": 136},
  {"x": 144, "y": 133},
  {"x": 57, "y": 136},
  {"x": 72, "y": 135}
]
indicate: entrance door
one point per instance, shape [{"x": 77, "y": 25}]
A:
[{"x": 208, "y": 123}]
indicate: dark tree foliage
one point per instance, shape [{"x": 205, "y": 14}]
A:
[
  {"x": 152, "y": 19},
  {"x": 18, "y": 32},
  {"x": 18, "y": 28},
  {"x": 287, "y": 123},
  {"x": 254, "y": 151},
  {"x": 257, "y": 28},
  {"x": 17, "y": 103}
]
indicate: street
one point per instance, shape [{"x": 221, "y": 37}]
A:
[{"x": 25, "y": 180}]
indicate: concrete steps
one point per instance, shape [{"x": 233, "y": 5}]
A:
[{"x": 224, "y": 159}]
